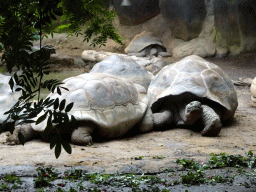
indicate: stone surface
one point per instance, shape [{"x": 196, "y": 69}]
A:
[
  {"x": 233, "y": 33},
  {"x": 235, "y": 23},
  {"x": 62, "y": 59},
  {"x": 50, "y": 48},
  {"x": 204, "y": 45},
  {"x": 139, "y": 12},
  {"x": 97, "y": 56},
  {"x": 199, "y": 46},
  {"x": 185, "y": 18}
]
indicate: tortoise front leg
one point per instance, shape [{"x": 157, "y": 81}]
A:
[
  {"x": 140, "y": 54},
  {"x": 82, "y": 135},
  {"x": 146, "y": 124},
  {"x": 163, "y": 118},
  {"x": 211, "y": 121},
  {"x": 26, "y": 130}
]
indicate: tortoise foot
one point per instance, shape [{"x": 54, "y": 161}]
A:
[
  {"x": 81, "y": 136},
  {"x": 213, "y": 129},
  {"x": 26, "y": 130}
]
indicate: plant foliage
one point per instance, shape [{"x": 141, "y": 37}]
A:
[{"x": 21, "y": 21}]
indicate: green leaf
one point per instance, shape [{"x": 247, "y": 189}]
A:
[
  {"x": 21, "y": 138},
  {"x": 67, "y": 147},
  {"x": 66, "y": 119},
  {"x": 48, "y": 128},
  {"x": 18, "y": 89},
  {"x": 74, "y": 122},
  {"x": 11, "y": 83},
  {"x": 16, "y": 77},
  {"x": 41, "y": 118},
  {"x": 54, "y": 141},
  {"x": 69, "y": 107},
  {"x": 57, "y": 150},
  {"x": 63, "y": 26},
  {"x": 28, "y": 121},
  {"x": 58, "y": 91},
  {"x": 62, "y": 104},
  {"x": 56, "y": 103}
]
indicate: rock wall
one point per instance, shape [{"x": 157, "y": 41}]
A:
[
  {"x": 203, "y": 27},
  {"x": 139, "y": 11},
  {"x": 235, "y": 24},
  {"x": 185, "y": 18}
]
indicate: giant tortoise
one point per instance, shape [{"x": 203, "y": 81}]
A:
[
  {"x": 192, "y": 92},
  {"x": 7, "y": 97},
  {"x": 146, "y": 44},
  {"x": 104, "y": 105},
  {"x": 125, "y": 68}
]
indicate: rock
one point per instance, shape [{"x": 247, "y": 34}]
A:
[
  {"x": 58, "y": 62},
  {"x": 61, "y": 59},
  {"x": 97, "y": 56},
  {"x": 139, "y": 12},
  {"x": 50, "y": 48},
  {"x": 204, "y": 45},
  {"x": 199, "y": 46},
  {"x": 244, "y": 82},
  {"x": 235, "y": 23},
  {"x": 253, "y": 92},
  {"x": 185, "y": 18}
]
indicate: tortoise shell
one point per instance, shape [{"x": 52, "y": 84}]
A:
[
  {"x": 113, "y": 104},
  {"x": 193, "y": 78},
  {"x": 142, "y": 41},
  {"x": 125, "y": 68}
]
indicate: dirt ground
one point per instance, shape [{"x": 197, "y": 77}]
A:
[{"x": 238, "y": 137}]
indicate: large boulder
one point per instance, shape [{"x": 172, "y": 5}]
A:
[
  {"x": 139, "y": 12},
  {"x": 204, "y": 45},
  {"x": 185, "y": 18},
  {"x": 235, "y": 23}
]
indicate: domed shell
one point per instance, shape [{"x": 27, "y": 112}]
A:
[
  {"x": 125, "y": 68},
  {"x": 193, "y": 78},
  {"x": 7, "y": 97},
  {"x": 113, "y": 104},
  {"x": 143, "y": 40}
]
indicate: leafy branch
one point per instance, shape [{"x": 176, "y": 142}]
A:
[{"x": 20, "y": 22}]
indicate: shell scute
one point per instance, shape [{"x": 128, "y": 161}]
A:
[
  {"x": 81, "y": 99},
  {"x": 182, "y": 66},
  {"x": 98, "y": 95}
]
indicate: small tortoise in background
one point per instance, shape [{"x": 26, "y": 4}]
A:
[
  {"x": 192, "y": 91},
  {"x": 104, "y": 105},
  {"x": 146, "y": 44},
  {"x": 125, "y": 68}
]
